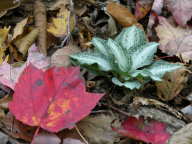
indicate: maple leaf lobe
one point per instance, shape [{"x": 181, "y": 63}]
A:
[{"x": 53, "y": 99}]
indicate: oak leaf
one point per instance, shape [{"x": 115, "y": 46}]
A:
[
  {"x": 174, "y": 40},
  {"x": 53, "y": 99}
]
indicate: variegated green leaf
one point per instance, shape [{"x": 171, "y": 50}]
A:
[
  {"x": 87, "y": 58},
  {"x": 159, "y": 68},
  {"x": 119, "y": 55},
  {"x": 128, "y": 84},
  {"x": 131, "y": 37},
  {"x": 100, "y": 45},
  {"x": 143, "y": 55}
]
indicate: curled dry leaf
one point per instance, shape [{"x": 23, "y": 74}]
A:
[
  {"x": 53, "y": 99},
  {"x": 25, "y": 42},
  {"x": 172, "y": 84},
  {"x": 61, "y": 56},
  {"x": 174, "y": 40},
  {"x": 142, "y": 8},
  {"x": 19, "y": 28},
  {"x": 149, "y": 131},
  {"x": 182, "y": 136},
  {"x": 97, "y": 129},
  {"x": 63, "y": 24},
  {"x": 181, "y": 10},
  {"x": 46, "y": 139},
  {"x": 121, "y": 14}
]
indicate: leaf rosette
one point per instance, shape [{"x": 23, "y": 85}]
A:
[{"x": 129, "y": 57}]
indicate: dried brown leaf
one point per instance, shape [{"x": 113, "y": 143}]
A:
[
  {"x": 97, "y": 129},
  {"x": 172, "y": 84},
  {"x": 61, "y": 56},
  {"x": 19, "y": 28},
  {"x": 121, "y": 14},
  {"x": 174, "y": 40},
  {"x": 25, "y": 42},
  {"x": 181, "y": 10}
]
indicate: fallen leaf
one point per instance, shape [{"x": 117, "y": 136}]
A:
[
  {"x": 97, "y": 129},
  {"x": 172, "y": 84},
  {"x": 9, "y": 74},
  {"x": 181, "y": 10},
  {"x": 121, "y": 14},
  {"x": 3, "y": 38},
  {"x": 53, "y": 99},
  {"x": 63, "y": 24},
  {"x": 72, "y": 141},
  {"x": 8, "y": 5},
  {"x": 148, "y": 131},
  {"x": 19, "y": 28},
  {"x": 174, "y": 40},
  {"x": 46, "y": 139},
  {"x": 59, "y": 4},
  {"x": 142, "y": 8},
  {"x": 61, "y": 56},
  {"x": 182, "y": 136}
]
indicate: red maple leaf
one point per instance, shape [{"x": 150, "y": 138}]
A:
[
  {"x": 54, "y": 99},
  {"x": 148, "y": 131}
]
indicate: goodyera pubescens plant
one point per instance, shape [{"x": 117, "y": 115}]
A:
[{"x": 129, "y": 58}]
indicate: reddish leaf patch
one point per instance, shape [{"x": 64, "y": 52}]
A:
[
  {"x": 150, "y": 132},
  {"x": 53, "y": 99}
]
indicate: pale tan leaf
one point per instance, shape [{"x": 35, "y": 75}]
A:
[
  {"x": 63, "y": 24},
  {"x": 182, "y": 136},
  {"x": 172, "y": 84},
  {"x": 97, "y": 129},
  {"x": 174, "y": 40},
  {"x": 19, "y": 28},
  {"x": 61, "y": 56}
]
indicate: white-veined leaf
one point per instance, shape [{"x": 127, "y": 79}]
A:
[
  {"x": 119, "y": 55},
  {"x": 100, "y": 45},
  {"x": 144, "y": 55},
  {"x": 131, "y": 37},
  {"x": 129, "y": 84},
  {"x": 159, "y": 68},
  {"x": 87, "y": 58}
]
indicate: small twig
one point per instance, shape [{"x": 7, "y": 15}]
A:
[{"x": 83, "y": 138}]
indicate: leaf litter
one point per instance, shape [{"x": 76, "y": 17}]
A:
[{"x": 44, "y": 98}]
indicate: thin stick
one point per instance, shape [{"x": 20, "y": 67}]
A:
[
  {"x": 83, "y": 138},
  {"x": 36, "y": 133}
]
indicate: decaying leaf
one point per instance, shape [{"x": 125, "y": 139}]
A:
[
  {"x": 25, "y": 42},
  {"x": 142, "y": 8},
  {"x": 9, "y": 74},
  {"x": 97, "y": 129},
  {"x": 174, "y": 40},
  {"x": 181, "y": 10},
  {"x": 63, "y": 24},
  {"x": 19, "y": 28},
  {"x": 121, "y": 14},
  {"x": 46, "y": 139},
  {"x": 53, "y": 99},
  {"x": 6, "y": 5},
  {"x": 182, "y": 136},
  {"x": 3, "y": 37},
  {"x": 149, "y": 131},
  {"x": 172, "y": 84},
  {"x": 61, "y": 56}
]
